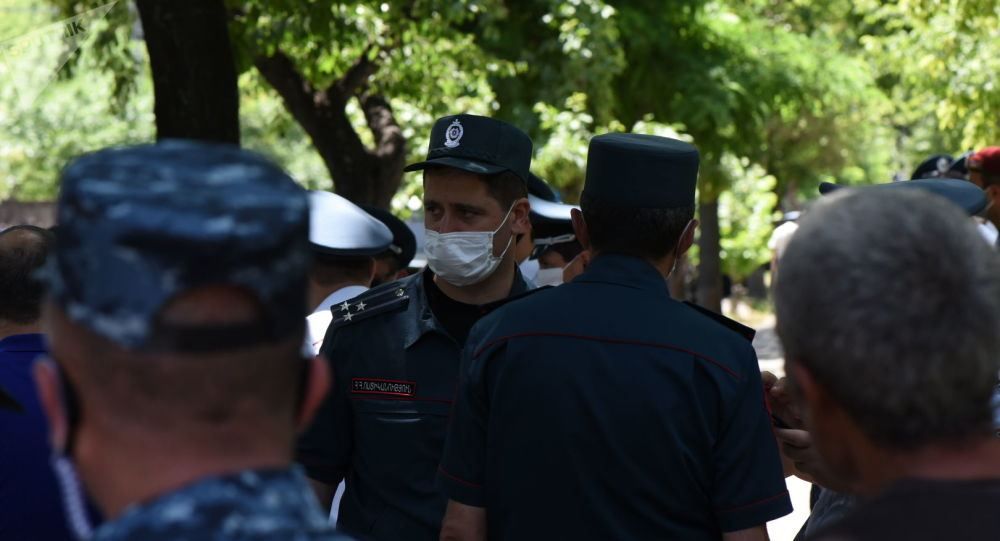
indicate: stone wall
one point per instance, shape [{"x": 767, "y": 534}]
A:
[{"x": 17, "y": 213}]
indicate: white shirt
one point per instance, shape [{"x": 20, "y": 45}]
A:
[
  {"x": 319, "y": 321},
  {"x": 781, "y": 236},
  {"x": 317, "y": 324}
]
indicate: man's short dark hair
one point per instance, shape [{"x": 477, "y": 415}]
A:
[
  {"x": 649, "y": 233},
  {"x": 171, "y": 391},
  {"x": 23, "y": 250},
  {"x": 327, "y": 270}
]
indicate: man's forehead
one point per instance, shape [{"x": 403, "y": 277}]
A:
[{"x": 460, "y": 188}]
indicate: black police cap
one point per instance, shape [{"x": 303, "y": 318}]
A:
[
  {"x": 966, "y": 195},
  {"x": 404, "y": 242},
  {"x": 541, "y": 189},
  {"x": 641, "y": 171},
  {"x": 933, "y": 167},
  {"x": 477, "y": 144}
]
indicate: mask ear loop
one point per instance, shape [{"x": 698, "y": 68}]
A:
[
  {"x": 510, "y": 240},
  {"x": 69, "y": 482}
]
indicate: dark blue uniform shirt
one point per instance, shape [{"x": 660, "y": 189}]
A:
[
  {"x": 395, "y": 371},
  {"x": 30, "y": 503},
  {"x": 603, "y": 409}
]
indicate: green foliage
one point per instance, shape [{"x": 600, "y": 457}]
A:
[
  {"x": 746, "y": 216},
  {"x": 46, "y": 119},
  {"x": 778, "y": 96}
]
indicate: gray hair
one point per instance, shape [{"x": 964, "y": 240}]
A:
[{"x": 891, "y": 300}]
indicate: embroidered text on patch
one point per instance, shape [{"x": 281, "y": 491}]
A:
[{"x": 383, "y": 386}]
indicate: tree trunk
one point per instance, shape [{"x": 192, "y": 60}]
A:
[
  {"x": 368, "y": 176},
  {"x": 710, "y": 267},
  {"x": 194, "y": 74}
]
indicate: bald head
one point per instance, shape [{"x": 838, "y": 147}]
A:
[{"x": 23, "y": 250}]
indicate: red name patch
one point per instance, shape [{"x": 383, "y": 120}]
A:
[{"x": 383, "y": 386}]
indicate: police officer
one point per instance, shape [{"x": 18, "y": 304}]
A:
[
  {"x": 392, "y": 264},
  {"x": 553, "y": 240},
  {"x": 524, "y": 248},
  {"x": 603, "y": 409},
  {"x": 175, "y": 317},
  {"x": 394, "y": 350},
  {"x": 345, "y": 240}
]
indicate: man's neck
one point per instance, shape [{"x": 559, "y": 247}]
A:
[
  {"x": 494, "y": 288},
  {"x": 11, "y": 329},
  {"x": 978, "y": 459},
  {"x": 128, "y": 474}
]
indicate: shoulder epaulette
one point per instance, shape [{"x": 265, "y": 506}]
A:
[
  {"x": 368, "y": 304},
  {"x": 741, "y": 329}
]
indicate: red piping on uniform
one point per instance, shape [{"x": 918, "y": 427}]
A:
[
  {"x": 458, "y": 479},
  {"x": 751, "y": 504},
  {"x": 610, "y": 341},
  {"x": 405, "y": 399}
]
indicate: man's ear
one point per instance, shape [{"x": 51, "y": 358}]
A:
[
  {"x": 520, "y": 217},
  {"x": 993, "y": 194},
  {"x": 48, "y": 384},
  {"x": 372, "y": 267},
  {"x": 317, "y": 385},
  {"x": 580, "y": 228},
  {"x": 686, "y": 240}
]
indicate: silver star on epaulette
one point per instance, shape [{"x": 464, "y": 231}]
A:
[
  {"x": 348, "y": 316},
  {"x": 360, "y": 306},
  {"x": 346, "y": 307}
]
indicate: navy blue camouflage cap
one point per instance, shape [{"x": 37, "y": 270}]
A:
[{"x": 140, "y": 225}]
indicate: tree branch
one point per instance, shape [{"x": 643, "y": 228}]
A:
[
  {"x": 389, "y": 139},
  {"x": 299, "y": 95},
  {"x": 356, "y": 77}
]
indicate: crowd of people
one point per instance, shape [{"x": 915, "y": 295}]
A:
[{"x": 203, "y": 350}]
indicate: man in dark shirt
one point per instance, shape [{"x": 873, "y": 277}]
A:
[
  {"x": 394, "y": 350},
  {"x": 30, "y": 507},
  {"x": 602, "y": 408},
  {"x": 893, "y": 364}
]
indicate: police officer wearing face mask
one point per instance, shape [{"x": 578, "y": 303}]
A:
[
  {"x": 395, "y": 350},
  {"x": 554, "y": 242}
]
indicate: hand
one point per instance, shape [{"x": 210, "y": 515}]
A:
[
  {"x": 779, "y": 400},
  {"x": 576, "y": 266},
  {"x": 797, "y": 450}
]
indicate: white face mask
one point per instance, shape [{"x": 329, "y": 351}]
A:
[
  {"x": 465, "y": 257},
  {"x": 549, "y": 277}
]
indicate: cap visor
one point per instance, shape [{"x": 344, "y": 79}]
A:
[{"x": 472, "y": 166}]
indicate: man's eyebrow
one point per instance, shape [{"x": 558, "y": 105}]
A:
[{"x": 464, "y": 207}]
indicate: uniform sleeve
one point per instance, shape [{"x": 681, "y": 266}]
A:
[
  {"x": 463, "y": 465},
  {"x": 749, "y": 487},
  {"x": 324, "y": 450}
]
